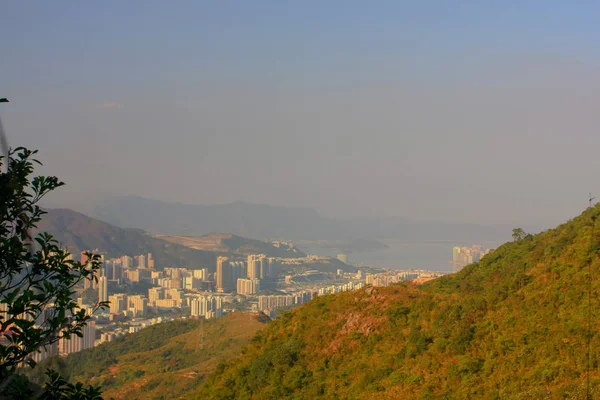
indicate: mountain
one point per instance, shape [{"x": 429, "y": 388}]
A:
[
  {"x": 513, "y": 326},
  {"x": 162, "y": 361},
  {"x": 79, "y": 232},
  {"x": 261, "y": 221},
  {"x": 239, "y": 218},
  {"x": 232, "y": 244}
]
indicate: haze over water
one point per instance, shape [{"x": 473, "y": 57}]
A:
[{"x": 432, "y": 255}]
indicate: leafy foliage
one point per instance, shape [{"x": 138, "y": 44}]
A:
[
  {"x": 59, "y": 388},
  {"x": 36, "y": 285},
  {"x": 513, "y": 325}
]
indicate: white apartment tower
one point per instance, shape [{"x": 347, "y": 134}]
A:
[{"x": 102, "y": 289}]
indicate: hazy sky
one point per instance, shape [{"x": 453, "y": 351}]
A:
[{"x": 433, "y": 110}]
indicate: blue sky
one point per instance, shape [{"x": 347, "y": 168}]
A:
[{"x": 436, "y": 110}]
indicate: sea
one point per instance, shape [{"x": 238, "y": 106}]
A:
[{"x": 434, "y": 255}]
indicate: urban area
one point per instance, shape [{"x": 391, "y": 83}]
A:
[{"x": 141, "y": 294}]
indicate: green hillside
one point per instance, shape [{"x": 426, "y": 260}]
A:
[
  {"x": 513, "y": 326},
  {"x": 163, "y": 361}
]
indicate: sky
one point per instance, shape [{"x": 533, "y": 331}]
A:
[{"x": 450, "y": 111}]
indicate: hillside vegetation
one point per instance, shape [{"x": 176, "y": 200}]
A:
[
  {"x": 163, "y": 361},
  {"x": 513, "y": 326}
]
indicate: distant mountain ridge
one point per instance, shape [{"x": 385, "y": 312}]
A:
[
  {"x": 239, "y": 218},
  {"x": 79, "y": 232},
  {"x": 228, "y": 243},
  {"x": 259, "y": 221}
]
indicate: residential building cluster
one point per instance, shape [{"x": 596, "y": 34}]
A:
[
  {"x": 64, "y": 346},
  {"x": 75, "y": 343},
  {"x": 206, "y": 306},
  {"x": 204, "y": 294},
  {"x": 463, "y": 256},
  {"x": 177, "y": 288},
  {"x": 270, "y": 305},
  {"x": 340, "y": 288},
  {"x": 135, "y": 269},
  {"x": 248, "y": 286},
  {"x": 389, "y": 277},
  {"x": 256, "y": 268}
]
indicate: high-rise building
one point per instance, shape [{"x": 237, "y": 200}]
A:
[
  {"x": 191, "y": 283},
  {"x": 150, "y": 261},
  {"x": 107, "y": 337},
  {"x": 455, "y": 253},
  {"x": 273, "y": 268},
  {"x": 223, "y": 275},
  {"x": 127, "y": 262},
  {"x": 238, "y": 270},
  {"x": 207, "y": 307},
  {"x": 248, "y": 286},
  {"x": 102, "y": 289},
  {"x": 141, "y": 261},
  {"x": 217, "y": 304},
  {"x": 155, "y": 294},
  {"x": 201, "y": 274},
  {"x": 133, "y": 275},
  {"x": 177, "y": 295},
  {"x": 257, "y": 263},
  {"x": 138, "y": 305},
  {"x": 462, "y": 256},
  {"x": 118, "y": 303},
  {"x": 117, "y": 272},
  {"x": 103, "y": 259},
  {"x": 106, "y": 269},
  {"x": 90, "y": 282},
  {"x": 275, "y": 302},
  {"x": 264, "y": 267},
  {"x": 76, "y": 343},
  {"x": 195, "y": 308}
]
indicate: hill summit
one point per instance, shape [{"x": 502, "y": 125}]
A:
[{"x": 514, "y": 325}]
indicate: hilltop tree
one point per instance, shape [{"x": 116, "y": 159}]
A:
[
  {"x": 37, "y": 279},
  {"x": 518, "y": 234}
]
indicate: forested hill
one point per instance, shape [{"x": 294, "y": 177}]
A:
[
  {"x": 79, "y": 232},
  {"x": 163, "y": 361},
  {"x": 513, "y": 326}
]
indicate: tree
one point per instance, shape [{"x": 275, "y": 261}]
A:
[
  {"x": 518, "y": 234},
  {"x": 37, "y": 277}
]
